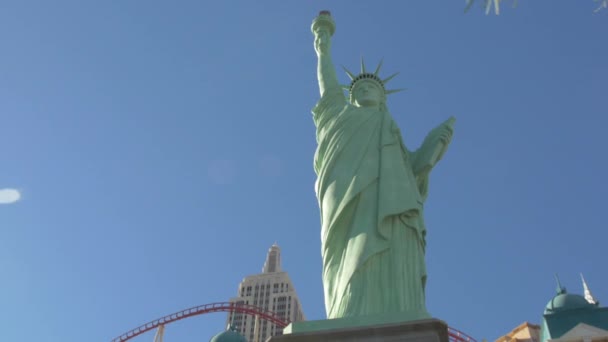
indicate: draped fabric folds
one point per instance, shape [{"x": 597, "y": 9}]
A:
[{"x": 371, "y": 203}]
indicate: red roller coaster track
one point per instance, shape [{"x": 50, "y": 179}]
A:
[{"x": 455, "y": 335}]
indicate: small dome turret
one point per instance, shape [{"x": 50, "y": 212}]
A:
[
  {"x": 567, "y": 301},
  {"x": 229, "y": 335}
]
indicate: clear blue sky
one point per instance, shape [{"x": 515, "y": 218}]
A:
[{"x": 161, "y": 147}]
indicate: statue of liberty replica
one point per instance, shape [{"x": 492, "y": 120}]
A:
[{"x": 371, "y": 190}]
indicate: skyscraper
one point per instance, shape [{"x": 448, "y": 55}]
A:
[{"x": 270, "y": 290}]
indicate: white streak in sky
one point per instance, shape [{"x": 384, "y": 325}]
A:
[{"x": 8, "y": 196}]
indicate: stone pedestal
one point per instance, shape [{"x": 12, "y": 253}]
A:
[{"x": 428, "y": 330}]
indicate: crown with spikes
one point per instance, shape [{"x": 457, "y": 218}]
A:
[{"x": 364, "y": 75}]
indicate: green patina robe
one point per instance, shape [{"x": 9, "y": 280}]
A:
[{"x": 371, "y": 203}]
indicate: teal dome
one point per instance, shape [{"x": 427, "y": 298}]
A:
[
  {"x": 567, "y": 301},
  {"x": 228, "y": 336}
]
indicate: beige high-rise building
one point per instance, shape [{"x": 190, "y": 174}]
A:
[{"x": 270, "y": 290}]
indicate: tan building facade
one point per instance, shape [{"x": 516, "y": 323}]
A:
[
  {"x": 525, "y": 332},
  {"x": 271, "y": 290}
]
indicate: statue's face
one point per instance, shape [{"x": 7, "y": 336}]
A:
[{"x": 367, "y": 94}]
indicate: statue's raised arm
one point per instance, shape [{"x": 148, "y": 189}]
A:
[{"x": 323, "y": 27}]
